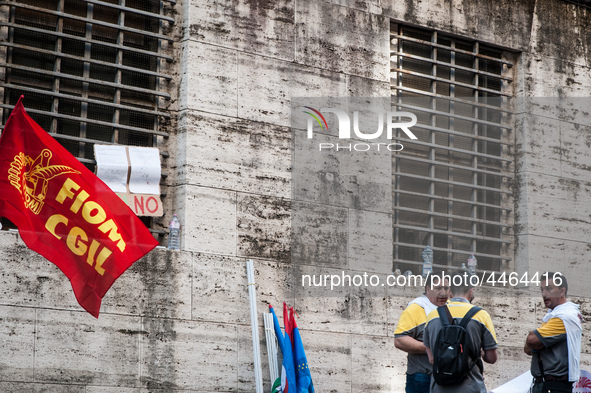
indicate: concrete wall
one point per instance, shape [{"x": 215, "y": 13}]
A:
[{"x": 179, "y": 321}]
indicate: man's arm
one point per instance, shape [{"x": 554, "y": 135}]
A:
[
  {"x": 545, "y": 336},
  {"x": 490, "y": 356},
  {"x": 527, "y": 350},
  {"x": 532, "y": 342},
  {"x": 489, "y": 339},
  {"x": 430, "y": 354},
  {"x": 409, "y": 345}
]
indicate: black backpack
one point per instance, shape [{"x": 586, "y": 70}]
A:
[{"x": 452, "y": 361}]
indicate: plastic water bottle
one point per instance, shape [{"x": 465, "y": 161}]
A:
[
  {"x": 472, "y": 264},
  {"x": 174, "y": 233},
  {"x": 427, "y": 261}
]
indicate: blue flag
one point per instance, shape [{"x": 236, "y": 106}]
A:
[
  {"x": 288, "y": 381},
  {"x": 303, "y": 376}
]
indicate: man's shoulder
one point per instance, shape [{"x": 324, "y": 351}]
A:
[
  {"x": 414, "y": 309},
  {"x": 412, "y": 318},
  {"x": 415, "y": 302},
  {"x": 551, "y": 328},
  {"x": 459, "y": 309},
  {"x": 485, "y": 323},
  {"x": 482, "y": 314},
  {"x": 433, "y": 315},
  {"x": 568, "y": 312},
  {"x": 482, "y": 318}
]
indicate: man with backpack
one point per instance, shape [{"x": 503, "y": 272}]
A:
[
  {"x": 458, "y": 337},
  {"x": 555, "y": 347},
  {"x": 408, "y": 335}
]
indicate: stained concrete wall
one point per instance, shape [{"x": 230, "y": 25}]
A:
[{"x": 179, "y": 321}]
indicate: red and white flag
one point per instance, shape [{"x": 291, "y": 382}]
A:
[{"x": 66, "y": 213}]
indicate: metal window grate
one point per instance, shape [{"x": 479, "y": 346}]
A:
[
  {"x": 91, "y": 71},
  {"x": 452, "y": 185}
]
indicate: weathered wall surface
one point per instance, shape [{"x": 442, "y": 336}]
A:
[{"x": 179, "y": 321}]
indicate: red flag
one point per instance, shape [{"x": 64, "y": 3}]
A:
[
  {"x": 288, "y": 322},
  {"x": 65, "y": 213}
]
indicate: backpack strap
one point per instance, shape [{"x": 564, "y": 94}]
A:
[
  {"x": 445, "y": 316},
  {"x": 468, "y": 316},
  {"x": 464, "y": 324}
]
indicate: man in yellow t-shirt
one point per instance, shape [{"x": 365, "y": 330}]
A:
[
  {"x": 555, "y": 346},
  {"x": 408, "y": 335},
  {"x": 481, "y": 343}
]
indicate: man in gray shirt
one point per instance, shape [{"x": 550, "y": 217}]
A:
[
  {"x": 480, "y": 330},
  {"x": 555, "y": 346},
  {"x": 408, "y": 335}
]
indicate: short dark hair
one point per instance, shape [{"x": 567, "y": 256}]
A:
[
  {"x": 429, "y": 280},
  {"x": 460, "y": 282},
  {"x": 554, "y": 278},
  {"x": 431, "y": 276}
]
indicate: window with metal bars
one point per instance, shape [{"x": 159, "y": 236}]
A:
[
  {"x": 452, "y": 186},
  {"x": 91, "y": 71}
]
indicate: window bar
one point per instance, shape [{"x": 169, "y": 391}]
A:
[
  {"x": 465, "y": 218},
  {"x": 484, "y": 149},
  {"x": 93, "y": 41},
  {"x": 93, "y": 81},
  {"x": 57, "y": 68},
  {"x": 86, "y": 76},
  {"x": 8, "y": 72},
  {"x": 459, "y": 150},
  {"x": 448, "y": 165},
  {"x": 433, "y": 121},
  {"x": 396, "y": 160},
  {"x": 506, "y": 208},
  {"x": 506, "y": 151},
  {"x": 158, "y": 69},
  {"x": 417, "y": 40},
  {"x": 459, "y": 252},
  {"x": 118, "y": 60},
  {"x": 136, "y": 11},
  {"x": 457, "y": 67},
  {"x": 396, "y": 217},
  {"x": 3, "y": 53},
  {"x": 460, "y": 117},
  {"x": 458, "y": 183},
  {"x": 68, "y": 96},
  {"x": 475, "y": 126},
  {"x": 459, "y": 234},
  {"x": 450, "y": 203},
  {"x": 85, "y": 19},
  {"x": 471, "y": 102}
]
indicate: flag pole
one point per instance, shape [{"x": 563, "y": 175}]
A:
[
  {"x": 254, "y": 323},
  {"x": 271, "y": 340}
]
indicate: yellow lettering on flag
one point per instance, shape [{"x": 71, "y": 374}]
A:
[
  {"x": 110, "y": 227},
  {"x": 92, "y": 213},
  {"x": 52, "y": 223}
]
